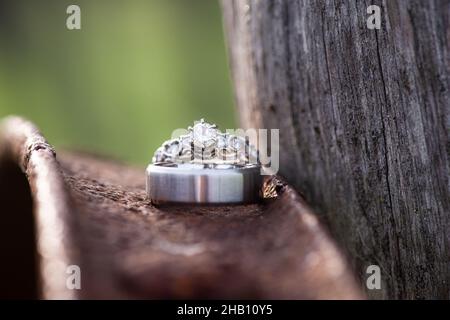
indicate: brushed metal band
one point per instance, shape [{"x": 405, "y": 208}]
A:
[{"x": 202, "y": 184}]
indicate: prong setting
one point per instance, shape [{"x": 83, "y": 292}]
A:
[{"x": 205, "y": 143}]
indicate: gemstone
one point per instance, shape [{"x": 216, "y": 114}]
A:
[
  {"x": 185, "y": 141},
  {"x": 221, "y": 141},
  {"x": 173, "y": 148},
  {"x": 158, "y": 156},
  {"x": 235, "y": 142},
  {"x": 204, "y": 133}
]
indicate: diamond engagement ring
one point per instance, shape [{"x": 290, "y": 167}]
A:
[{"x": 205, "y": 166}]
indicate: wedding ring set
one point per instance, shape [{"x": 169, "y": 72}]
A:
[{"x": 205, "y": 166}]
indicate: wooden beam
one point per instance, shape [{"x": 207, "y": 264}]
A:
[{"x": 93, "y": 212}]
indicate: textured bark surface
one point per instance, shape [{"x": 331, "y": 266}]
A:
[
  {"x": 363, "y": 118},
  {"x": 93, "y": 212}
]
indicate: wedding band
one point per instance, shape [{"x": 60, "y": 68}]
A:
[
  {"x": 172, "y": 183},
  {"x": 205, "y": 166}
]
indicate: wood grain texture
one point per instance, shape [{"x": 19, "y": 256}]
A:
[
  {"x": 363, "y": 119},
  {"x": 94, "y": 213},
  {"x": 51, "y": 247}
]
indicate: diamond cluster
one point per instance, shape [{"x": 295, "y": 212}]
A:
[{"x": 205, "y": 143}]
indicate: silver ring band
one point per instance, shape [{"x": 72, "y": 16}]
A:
[{"x": 203, "y": 184}]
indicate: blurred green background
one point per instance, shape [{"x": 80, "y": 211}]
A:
[{"x": 134, "y": 72}]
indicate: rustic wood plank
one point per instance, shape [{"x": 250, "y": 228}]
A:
[
  {"x": 364, "y": 123},
  {"x": 23, "y": 149},
  {"x": 102, "y": 221}
]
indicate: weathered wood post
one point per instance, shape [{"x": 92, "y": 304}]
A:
[{"x": 363, "y": 118}]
